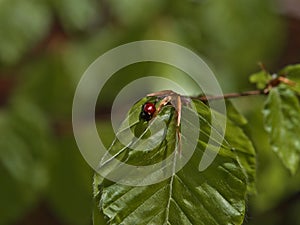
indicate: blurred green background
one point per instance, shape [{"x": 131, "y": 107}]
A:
[{"x": 45, "y": 47}]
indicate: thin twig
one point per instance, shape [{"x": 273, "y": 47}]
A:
[
  {"x": 271, "y": 84},
  {"x": 231, "y": 95}
]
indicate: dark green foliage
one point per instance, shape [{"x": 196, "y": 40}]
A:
[
  {"x": 213, "y": 196},
  {"x": 45, "y": 47},
  {"x": 282, "y": 122},
  {"x": 282, "y": 113}
]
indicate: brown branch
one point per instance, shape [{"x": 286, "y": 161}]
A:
[
  {"x": 231, "y": 95},
  {"x": 271, "y": 84}
]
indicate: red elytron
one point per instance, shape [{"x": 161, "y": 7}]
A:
[{"x": 148, "y": 110}]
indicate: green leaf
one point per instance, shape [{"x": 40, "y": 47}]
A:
[
  {"x": 98, "y": 216},
  {"x": 260, "y": 78},
  {"x": 240, "y": 142},
  {"x": 212, "y": 196},
  {"x": 234, "y": 115},
  {"x": 282, "y": 122},
  {"x": 292, "y": 72}
]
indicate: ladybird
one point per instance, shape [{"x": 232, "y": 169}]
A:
[{"x": 148, "y": 110}]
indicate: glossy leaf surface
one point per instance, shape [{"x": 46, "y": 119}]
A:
[
  {"x": 282, "y": 122},
  {"x": 213, "y": 196}
]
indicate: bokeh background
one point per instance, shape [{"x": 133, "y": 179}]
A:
[{"x": 45, "y": 47}]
